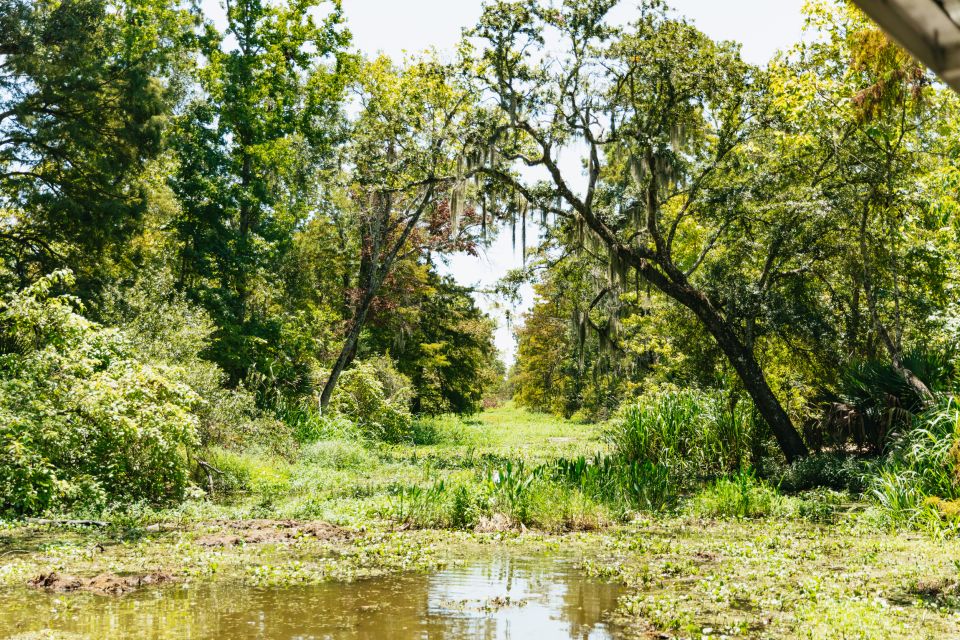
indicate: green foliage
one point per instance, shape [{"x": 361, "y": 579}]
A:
[
  {"x": 250, "y": 147},
  {"x": 164, "y": 327},
  {"x": 830, "y": 470},
  {"x": 248, "y": 473},
  {"x": 424, "y": 507},
  {"x": 874, "y": 403},
  {"x": 700, "y": 433},
  {"x": 85, "y": 88},
  {"x": 83, "y": 419},
  {"x": 339, "y": 454},
  {"x": 376, "y": 397},
  {"x": 787, "y": 232},
  {"x": 309, "y": 425},
  {"x": 738, "y": 496},
  {"x": 443, "y": 342},
  {"x": 921, "y": 464},
  {"x": 510, "y": 488},
  {"x": 571, "y": 350},
  {"x": 625, "y": 485}
]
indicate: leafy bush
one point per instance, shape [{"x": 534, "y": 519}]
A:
[
  {"x": 419, "y": 506},
  {"x": 376, "y": 397},
  {"x": 832, "y": 471},
  {"x": 81, "y": 418},
  {"x": 691, "y": 430},
  {"x": 509, "y": 488},
  {"x": 162, "y": 326},
  {"x": 738, "y": 496},
  {"x": 507, "y": 497}
]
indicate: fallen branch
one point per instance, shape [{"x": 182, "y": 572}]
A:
[
  {"x": 69, "y": 523},
  {"x": 210, "y": 469}
]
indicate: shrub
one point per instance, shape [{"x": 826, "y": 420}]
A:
[
  {"x": 509, "y": 488},
  {"x": 420, "y": 506},
  {"x": 466, "y": 507},
  {"x": 376, "y": 398},
  {"x": 558, "y": 507},
  {"x": 738, "y": 496},
  {"x": 308, "y": 425},
  {"x": 832, "y": 471},
  {"x": 81, "y": 418},
  {"x": 162, "y": 326}
]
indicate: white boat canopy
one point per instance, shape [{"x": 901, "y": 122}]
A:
[{"x": 929, "y": 29}]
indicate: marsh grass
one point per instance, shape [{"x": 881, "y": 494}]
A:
[
  {"x": 917, "y": 480},
  {"x": 697, "y": 433}
]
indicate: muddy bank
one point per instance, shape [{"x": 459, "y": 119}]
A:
[
  {"x": 105, "y": 583},
  {"x": 271, "y": 531}
]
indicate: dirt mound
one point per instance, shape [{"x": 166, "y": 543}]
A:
[
  {"x": 219, "y": 540},
  {"x": 271, "y": 531},
  {"x": 497, "y": 523},
  {"x": 105, "y": 583}
]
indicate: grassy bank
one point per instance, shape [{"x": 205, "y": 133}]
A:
[{"x": 735, "y": 557}]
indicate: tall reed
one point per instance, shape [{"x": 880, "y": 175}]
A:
[{"x": 690, "y": 431}]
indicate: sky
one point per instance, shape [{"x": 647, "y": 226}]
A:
[{"x": 395, "y": 27}]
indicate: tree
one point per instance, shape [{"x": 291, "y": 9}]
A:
[
  {"x": 442, "y": 341},
  {"x": 577, "y": 349},
  {"x": 666, "y": 117},
  {"x": 85, "y": 88},
  {"x": 407, "y": 179},
  {"x": 251, "y": 151},
  {"x": 866, "y": 127}
]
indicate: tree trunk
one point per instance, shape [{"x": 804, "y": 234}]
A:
[
  {"x": 739, "y": 355},
  {"x": 751, "y": 375},
  {"x": 349, "y": 350}
]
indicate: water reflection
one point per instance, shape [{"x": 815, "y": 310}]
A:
[{"x": 497, "y": 598}]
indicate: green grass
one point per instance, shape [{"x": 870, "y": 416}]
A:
[{"x": 457, "y": 473}]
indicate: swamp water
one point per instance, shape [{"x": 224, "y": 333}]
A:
[{"x": 494, "y": 598}]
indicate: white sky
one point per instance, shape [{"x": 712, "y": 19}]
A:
[{"x": 397, "y": 26}]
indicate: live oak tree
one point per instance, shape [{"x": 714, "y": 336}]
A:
[{"x": 664, "y": 119}]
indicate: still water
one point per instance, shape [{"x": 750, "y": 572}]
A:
[{"x": 493, "y": 598}]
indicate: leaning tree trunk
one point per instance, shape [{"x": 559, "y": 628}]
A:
[
  {"x": 892, "y": 347},
  {"x": 668, "y": 279},
  {"x": 349, "y": 349},
  {"x": 657, "y": 267},
  {"x": 739, "y": 355},
  {"x": 751, "y": 375}
]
